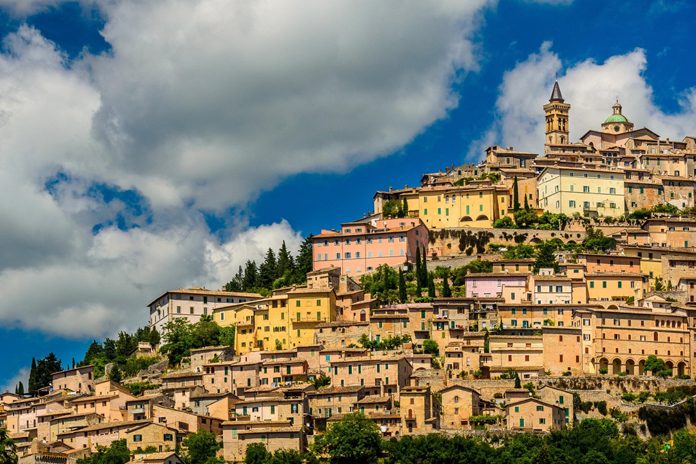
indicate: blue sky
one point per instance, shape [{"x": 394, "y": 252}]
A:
[{"x": 124, "y": 230}]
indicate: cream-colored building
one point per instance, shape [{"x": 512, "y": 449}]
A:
[{"x": 585, "y": 191}]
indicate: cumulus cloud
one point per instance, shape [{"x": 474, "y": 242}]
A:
[
  {"x": 246, "y": 93},
  {"x": 198, "y": 105},
  {"x": 591, "y": 88}
]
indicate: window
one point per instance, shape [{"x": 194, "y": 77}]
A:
[
  {"x": 168, "y": 437},
  {"x": 137, "y": 438},
  {"x": 586, "y": 189},
  {"x": 571, "y": 203}
]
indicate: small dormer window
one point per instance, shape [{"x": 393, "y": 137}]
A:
[{"x": 616, "y": 128}]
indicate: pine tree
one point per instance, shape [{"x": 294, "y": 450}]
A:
[
  {"x": 304, "y": 262},
  {"x": 446, "y": 290},
  {"x": 20, "y": 388},
  {"x": 32, "y": 377},
  {"x": 251, "y": 275},
  {"x": 515, "y": 195},
  {"x": 268, "y": 270},
  {"x": 285, "y": 262},
  {"x": 235, "y": 285},
  {"x": 402, "y": 287},
  {"x": 431, "y": 285}
]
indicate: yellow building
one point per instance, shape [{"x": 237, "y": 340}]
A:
[
  {"x": 587, "y": 191},
  {"x": 473, "y": 205},
  {"x": 614, "y": 286},
  {"x": 285, "y": 320},
  {"x": 309, "y": 307}
]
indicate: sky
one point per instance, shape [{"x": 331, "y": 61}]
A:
[{"x": 146, "y": 146}]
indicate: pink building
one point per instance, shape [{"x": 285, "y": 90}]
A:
[
  {"x": 364, "y": 245},
  {"x": 512, "y": 287}
]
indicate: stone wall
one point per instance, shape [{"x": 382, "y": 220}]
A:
[{"x": 445, "y": 242}]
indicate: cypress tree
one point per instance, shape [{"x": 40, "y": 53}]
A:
[
  {"x": 446, "y": 290},
  {"x": 526, "y": 203},
  {"x": 431, "y": 285},
  {"x": 20, "y": 388},
  {"x": 402, "y": 287},
  {"x": 418, "y": 271},
  {"x": 404, "y": 207},
  {"x": 32, "y": 377},
  {"x": 515, "y": 195},
  {"x": 424, "y": 271}
]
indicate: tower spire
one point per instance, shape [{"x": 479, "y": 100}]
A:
[{"x": 556, "y": 93}]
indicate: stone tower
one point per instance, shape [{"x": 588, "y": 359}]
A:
[{"x": 557, "y": 125}]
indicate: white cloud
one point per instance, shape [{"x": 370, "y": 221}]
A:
[
  {"x": 199, "y": 104},
  {"x": 246, "y": 93},
  {"x": 591, "y": 88},
  {"x": 21, "y": 376}
]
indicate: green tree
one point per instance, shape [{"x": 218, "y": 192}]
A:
[
  {"x": 596, "y": 241},
  {"x": 304, "y": 261},
  {"x": 418, "y": 269},
  {"x": 268, "y": 271},
  {"x": 546, "y": 257},
  {"x": 404, "y": 207},
  {"x": 20, "y": 388},
  {"x": 205, "y": 332},
  {"x": 446, "y": 290},
  {"x": 518, "y": 382},
  {"x": 116, "y": 453},
  {"x": 525, "y": 218},
  {"x": 45, "y": 368},
  {"x": 526, "y": 203},
  {"x": 251, "y": 276},
  {"x": 403, "y": 297},
  {"x": 657, "y": 366},
  {"x": 256, "y": 453},
  {"x": 519, "y": 252},
  {"x": 515, "y": 195},
  {"x": 201, "y": 448},
  {"x": 8, "y": 450},
  {"x": 177, "y": 340},
  {"x": 115, "y": 374},
  {"x": 423, "y": 276},
  {"x": 504, "y": 222},
  {"x": 353, "y": 439},
  {"x": 393, "y": 209},
  {"x": 430, "y": 347},
  {"x": 237, "y": 282},
  {"x": 431, "y": 285},
  {"x": 32, "y": 377},
  {"x": 285, "y": 265},
  {"x": 227, "y": 335}
]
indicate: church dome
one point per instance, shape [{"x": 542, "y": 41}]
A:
[{"x": 616, "y": 118}]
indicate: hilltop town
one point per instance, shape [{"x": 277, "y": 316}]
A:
[{"x": 528, "y": 293}]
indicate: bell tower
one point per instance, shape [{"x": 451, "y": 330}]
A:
[{"x": 557, "y": 124}]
